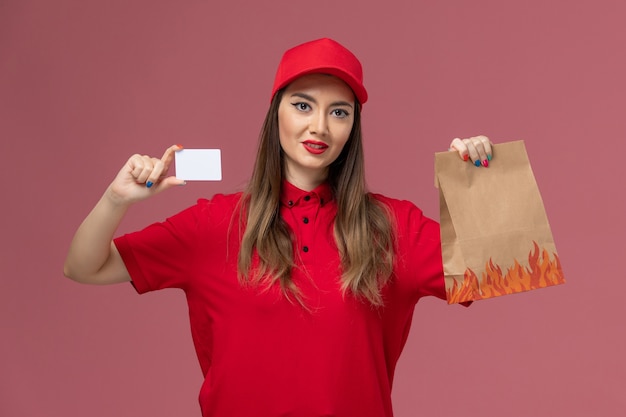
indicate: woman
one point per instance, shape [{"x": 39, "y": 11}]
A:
[{"x": 301, "y": 289}]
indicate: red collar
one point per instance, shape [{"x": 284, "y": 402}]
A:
[{"x": 291, "y": 195}]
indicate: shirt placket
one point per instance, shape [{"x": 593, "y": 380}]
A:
[{"x": 304, "y": 217}]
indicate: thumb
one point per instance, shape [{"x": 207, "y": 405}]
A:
[{"x": 168, "y": 182}]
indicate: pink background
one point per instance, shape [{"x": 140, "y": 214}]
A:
[{"x": 84, "y": 84}]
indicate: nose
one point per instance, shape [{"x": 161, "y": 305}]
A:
[{"x": 319, "y": 123}]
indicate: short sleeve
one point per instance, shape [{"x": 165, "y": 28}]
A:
[
  {"x": 163, "y": 255},
  {"x": 423, "y": 254},
  {"x": 418, "y": 268}
]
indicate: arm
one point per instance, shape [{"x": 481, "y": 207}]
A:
[{"x": 92, "y": 257}]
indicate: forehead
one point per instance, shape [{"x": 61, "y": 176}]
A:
[{"x": 321, "y": 85}]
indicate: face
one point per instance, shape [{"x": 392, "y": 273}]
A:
[{"x": 315, "y": 118}]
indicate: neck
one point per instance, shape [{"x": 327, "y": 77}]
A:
[{"x": 306, "y": 181}]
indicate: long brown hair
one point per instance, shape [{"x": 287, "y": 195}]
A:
[{"x": 363, "y": 228}]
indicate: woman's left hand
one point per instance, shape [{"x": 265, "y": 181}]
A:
[{"x": 476, "y": 149}]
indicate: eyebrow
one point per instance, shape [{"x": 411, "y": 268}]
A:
[{"x": 310, "y": 98}]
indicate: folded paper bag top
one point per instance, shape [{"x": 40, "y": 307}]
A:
[{"x": 497, "y": 245}]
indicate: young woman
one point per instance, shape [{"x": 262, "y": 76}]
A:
[{"x": 301, "y": 289}]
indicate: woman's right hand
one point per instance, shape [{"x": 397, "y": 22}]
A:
[
  {"x": 143, "y": 176},
  {"x": 93, "y": 257}
]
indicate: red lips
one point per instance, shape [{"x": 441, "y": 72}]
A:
[{"x": 315, "y": 147}]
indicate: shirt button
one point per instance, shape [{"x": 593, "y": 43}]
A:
[
  {"x": 290, "y": 203},
  {"x": 305, "y": 249},
  {"x": 306, "y": 220},
  {"x": 307, "y": 197}
]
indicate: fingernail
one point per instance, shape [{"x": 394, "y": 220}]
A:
[
  {"x": 149, "y": 184},
  {"x": 489, "y": 157},
  {"x": 180, "y": 146},
  {"x": 183, "y": 183},
  {"x": 485, "y": 163},
  {"x": 465, "y": 157},
  {"x": 477, "y": 163}
]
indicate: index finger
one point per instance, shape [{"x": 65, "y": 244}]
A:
[
  {"x": 169, "y": 155},
  {"x": 483, "y": 141}
]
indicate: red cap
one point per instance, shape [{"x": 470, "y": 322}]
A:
[{"x": 324, "y": 56}]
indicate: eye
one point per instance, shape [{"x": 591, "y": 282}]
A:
[
  {"x": 341, "y": 113},
  {"x": 301, "y": 106}
]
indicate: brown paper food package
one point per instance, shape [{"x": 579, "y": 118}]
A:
[{"x": 495, "y": 235}]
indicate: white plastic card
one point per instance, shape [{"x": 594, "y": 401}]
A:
[{"x": 199, "y": 165}]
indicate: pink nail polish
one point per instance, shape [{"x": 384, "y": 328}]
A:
[{"x": 485, "y": 163}]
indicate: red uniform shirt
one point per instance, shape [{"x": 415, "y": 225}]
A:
[{"x": 262, "y": 355}]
